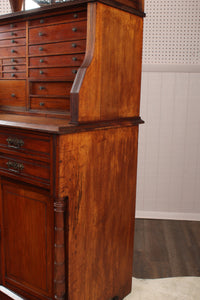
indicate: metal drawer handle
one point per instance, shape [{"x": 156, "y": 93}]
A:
[
  {"x": 41, "y": 72},
  {"x": 12, "y": 51},
  {"x": 74, "y": 58},
  {"x": 15, "y": 166},
  {"x": 41, "y": 60},
  {"x": 74, "y": 71},
  {"x": 13, "y": 60},
  {"x": 42, "y": 21},
  {"x": 74, "y": 45},
  {"x": 40, "y": 48},
  {"x": 41, "y": 103},
  {"x": 12, "y": 33},
  {"x": 41, "y": 88},
  {"x": 12, "y": 75},
  {"x": 12, "y": 41},
  {"x": 75, "y": 15},
  {"x": 13, "y": 68},
  {"x": 14, "y": 142},
  {"x": 12, "y": 25},
  {"x": 40, "y": 33},
  {"x": 74, "y": 29},
  {"x": 13, "y": 95}
]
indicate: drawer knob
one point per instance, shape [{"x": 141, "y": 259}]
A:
[
  {"x": 13, "y": 95},
  {"x": 74, "y": 58},
  {"x": 41, "y": 88},
  {"x": 75, "y": 15},
  {"x": 41, "y": 60},
  {"x": 40, "y": 33},
  {"x": 12, "y": 51},
  {"x": 12, "y": 33},
  {"x": 15, "y": 166},
  {"x": 12, "y": 41},
  {"x": 74, "y": 29},
  {"x": 41, "y": 103},
  {"x": 42, "y": 21},
  {"x": 13, "y": 60},
  {"x": 13, "y": 75},
  {"x": 14, "y": 142},
  {"x": 40, "y": 48},
  {"x": 41, "y": 72},
  {"x": 12, "y": 26},
  {"x": 13, "y": 68},
  {"x": 74, "y": 71},
  {"x": 74, "y": 45}
]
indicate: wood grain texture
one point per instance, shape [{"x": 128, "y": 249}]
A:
[
  {"x": 97, "y": 171},
  {"x": 111, "y": 86}
]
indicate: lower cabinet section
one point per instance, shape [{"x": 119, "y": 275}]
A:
[{"x": 27, "y": 239}]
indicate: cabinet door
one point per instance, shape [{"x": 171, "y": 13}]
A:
[{"x": 26, "y": 240}]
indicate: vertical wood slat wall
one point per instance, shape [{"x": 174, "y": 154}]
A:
[{"x": 168, "y": 184}]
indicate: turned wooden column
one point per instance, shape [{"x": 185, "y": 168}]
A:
[{"x": 16, "y": 5}]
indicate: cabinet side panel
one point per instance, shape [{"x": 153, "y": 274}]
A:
[
  {"x": 98, "y": 174},
  {"x": 112, "y": 81}
]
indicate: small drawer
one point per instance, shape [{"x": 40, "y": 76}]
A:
[
  {"x": 14, "y": 61},
  {"x": 45, "y": 73},
  {"x": 14, "y": 75},
  {"x": 29, "y": 145},
  {"x": 14, "y": 68},
  {"x": 50, "y": 88},
  {"x": 13, "y": 34},
  {"x": 50, "y": 104},
  {"x": 12, "y": 93},
  {"x": 13, "y": 26},
  {"x": 24, "y": 168},
  {"x": 58, "y": 48},
  {"x": 12, "y": 42},
  {"x": 13, "y": 51},
  {"x": 73, "y": 16},
  {"x": 58, "y": 33},
  {"x": 58, "y": 61}
]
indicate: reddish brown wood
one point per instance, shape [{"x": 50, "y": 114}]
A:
[
  {"x": 58, "y": 61},
  {"x": 12, "y": 93},
  {"x": 55, "y": 104},
  {"x": 13, "y": 34},
  {"x": 16, "y": 5}
]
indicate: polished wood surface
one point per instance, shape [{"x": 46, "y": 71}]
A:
[
  {"x": 101, "y": 218},
  {"x": 166, "y": 248}
]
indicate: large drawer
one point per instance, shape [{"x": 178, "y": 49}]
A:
[
  {"x": 57, "y": 60},
  {"x": 58, "y": 48},
  {"x": 73, "y": 16},
  {"x": 25, "y": 169},
  {"x": 57, "y": 33},
  {"x": 45, "y": 73},
  {"x": 12, "y": 93},
  {"x": 27, "y": 145},
  {"x": 50, "y": 88}
]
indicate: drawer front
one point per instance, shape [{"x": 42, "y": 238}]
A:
[
  {"x": 37, "y": 171},
  {"x": 13, "y": 26},
  {"x": 58, "y": 48},
  {"x": 13, "y": 34},
  {"x": 57, "y": 33},
  {"x": 12, "y": 93},
  {"x": 50, "y": 88},
  {"x": 45, "y": 73},
  {"x": 29, "y": 145},
  {"x": 13, "y": 51},
  {"x": 15, "y": 68},
  {"x": 14, "y": 61},
  {"x": 73, "y": 16},
  {"x": 16, "y": 75},
  {"x": 59, "y": 60},
  {"x": 50, "y": 104},
  {"x": 12, "y": 42}
]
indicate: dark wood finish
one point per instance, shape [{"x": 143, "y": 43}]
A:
[
  {"x": 68, "y": 149},
  {"x": 166, "y": 248}
]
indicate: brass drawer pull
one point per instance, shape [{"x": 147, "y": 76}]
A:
[
  {"x": 15, "y": 166},
  {"x": 14, "y": 142}
]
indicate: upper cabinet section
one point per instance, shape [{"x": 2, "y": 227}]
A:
[{"x": 79, "y": 60}]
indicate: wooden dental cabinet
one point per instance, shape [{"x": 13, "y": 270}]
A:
[{"x": 69, "y": 113}]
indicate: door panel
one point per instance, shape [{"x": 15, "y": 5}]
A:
[{"x": 27, "y": 239}]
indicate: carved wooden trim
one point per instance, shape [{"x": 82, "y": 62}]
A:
[{"x": 59, "y": 249}]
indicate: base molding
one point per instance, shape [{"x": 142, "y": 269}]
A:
[
  {"x": 144, "y": 214},
  {"x": 6, "y": 294}
]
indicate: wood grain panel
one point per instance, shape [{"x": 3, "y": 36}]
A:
[
  {"x": 111, "y": 86},
  {"x": 99, "y": 180}
]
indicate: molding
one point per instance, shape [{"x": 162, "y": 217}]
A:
[
  {"x": 144, "y": 214},
  {"x": 9, "y": 293},
  {"x": 171, "y": 68}
]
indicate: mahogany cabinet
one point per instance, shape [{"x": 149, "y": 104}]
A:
[{"x": 69, "y": 113}]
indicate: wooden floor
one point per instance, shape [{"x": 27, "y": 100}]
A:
[{"x": 166, "y": 248}]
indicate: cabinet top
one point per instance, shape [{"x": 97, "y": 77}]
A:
[{"x": 133, "y": 6}]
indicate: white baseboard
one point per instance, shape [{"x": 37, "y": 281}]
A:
[
  {"x": 9, "y": 293},
  {"x": 166, "y": 215}
]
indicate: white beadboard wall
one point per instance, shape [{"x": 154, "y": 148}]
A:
[{"x": 168, "y": 184}]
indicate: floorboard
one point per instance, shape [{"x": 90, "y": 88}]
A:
[{"x": 166, "y": 248}]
